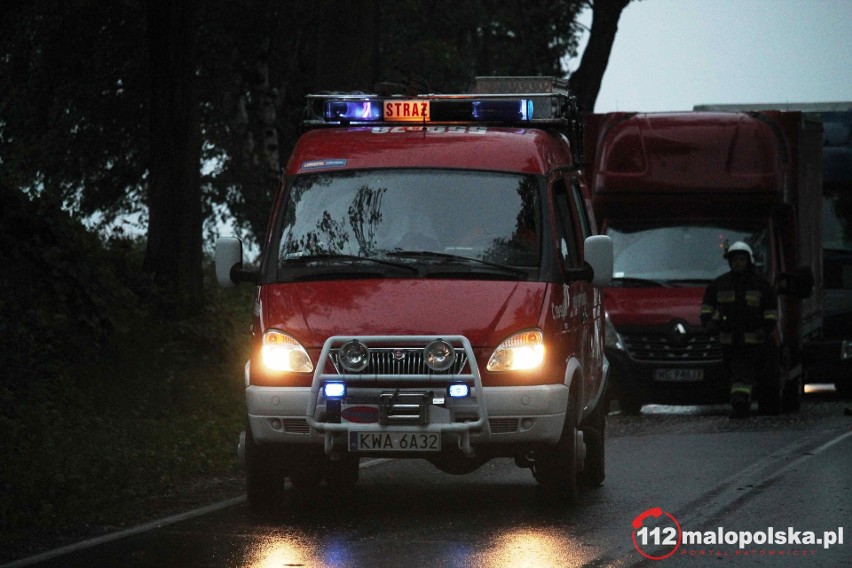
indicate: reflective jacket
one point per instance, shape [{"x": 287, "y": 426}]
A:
[{"x": 742, "y": 307}]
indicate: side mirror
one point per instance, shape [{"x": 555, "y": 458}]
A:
[
  {"x": 799, "y": 283},
  {"x": 597, "y": 251},
  {"x": 229, "y": 263}
]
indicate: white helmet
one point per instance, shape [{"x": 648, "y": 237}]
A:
[{"x": 740, "y": 246}]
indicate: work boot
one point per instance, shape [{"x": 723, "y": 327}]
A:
[
  {"x": 740, "y": 405},
  {"x": 740, "y": 400}
]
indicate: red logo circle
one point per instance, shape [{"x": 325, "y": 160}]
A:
[{"x": 665, "y": 533}]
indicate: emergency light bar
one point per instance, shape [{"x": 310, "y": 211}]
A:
[{"x": 328, "y": 110}]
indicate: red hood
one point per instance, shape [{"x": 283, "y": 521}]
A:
[
  {"x": 653, "y": 306},
  {"x": 483, "y": 311}
]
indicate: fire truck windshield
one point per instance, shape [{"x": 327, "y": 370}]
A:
[
  {"x": 679, "y": 254},
  {"x": 484, "y": 216}
]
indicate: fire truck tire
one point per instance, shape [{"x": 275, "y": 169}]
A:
[
  {"x": 556, "y": 467},
  {"x": 264, "y": 476},
  {"x": 306, "y": 476},
  {"x": 594, "y": 436},
  {"x": 629, "y": 405},
  {"x": 343, "y": 473},
  {"x": 769, "y": 400},
  {"x": 791, "y": 400}
]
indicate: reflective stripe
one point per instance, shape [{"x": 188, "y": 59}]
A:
[
  {"x": 753, "y": 338},
  {"x": 741, "y": 388},
  {"x": 752, "y": 298},
  {"x": 705, "y": 309},
  {"x": 770, "y": 314},
  {"x": 725, "y": 296}
]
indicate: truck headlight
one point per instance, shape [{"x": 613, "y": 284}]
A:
[
  {"x": 281, "y": 352},
  {"x": 522, "y": 351},
  {"x": 612, "y": 337}
]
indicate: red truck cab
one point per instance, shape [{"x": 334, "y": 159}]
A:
[
  {"x": 429, "y": 289},
  {"x": 673, "y": 190}
]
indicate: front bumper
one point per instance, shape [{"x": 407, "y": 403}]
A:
[
  {"x": 638, "y": 379},
  {"x": 505, "y": 415},
  {"x": 278, "y": 415}
]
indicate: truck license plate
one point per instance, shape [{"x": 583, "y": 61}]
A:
[
  {"x": 679, "y": 375},
  {"x": 394, "y": 442}
]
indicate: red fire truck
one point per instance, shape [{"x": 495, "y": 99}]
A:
[
  {"x": 429, "y": 289},
  {"x": 673, "y": 190}
]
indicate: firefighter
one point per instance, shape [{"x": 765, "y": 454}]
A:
[{"x": 742, "y": 307}]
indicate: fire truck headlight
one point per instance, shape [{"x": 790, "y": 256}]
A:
[
  {"x": 522, "y": 351},
  {"x": 281, "y": 352}
]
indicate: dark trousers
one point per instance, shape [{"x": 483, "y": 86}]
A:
[{"x": 752, "y": 365}]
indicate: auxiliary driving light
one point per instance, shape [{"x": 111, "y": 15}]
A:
[
  {"x": 458, "y": 391},
  {"x": 334, "y": 390},
  {"x": 439, "y": 355},
  {"x": 354, "y": 356}
]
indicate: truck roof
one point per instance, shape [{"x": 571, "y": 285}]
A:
[
  {"x": 667, "y": 152},
  {"x": 522, "y": 150}
]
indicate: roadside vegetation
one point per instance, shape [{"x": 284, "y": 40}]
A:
[
  {"x": 121, "y": 363},
  {"x": 104, "y": 403}
]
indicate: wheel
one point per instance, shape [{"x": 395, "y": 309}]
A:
[
  {"x": 557, "y": 467},
  {"x": 629, "y": 396},
  {"x": 343, "y": 473},
  {"x": 844, "y": 389},
  {"x": 306, "y": 476},
  {"x": 771, "y": 388},
  {"x": 769, "y": 401},
  {"x": 791, "y": 399},
  {"x": 629, "y": 405},
  {"x": 594, "y": 436},
  {"x": 264, "y": 475}
]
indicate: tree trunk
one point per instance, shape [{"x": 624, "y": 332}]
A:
[
  {"x": 585, "y": 82},
  {"x": 174, "y": 250}
]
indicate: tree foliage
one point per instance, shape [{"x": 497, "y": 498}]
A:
[{"x": 180, "y": 113}]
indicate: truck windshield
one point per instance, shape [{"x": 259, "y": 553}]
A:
[
  {"x": 669, "y": 254},
  {"x": 484, "y": 216}
]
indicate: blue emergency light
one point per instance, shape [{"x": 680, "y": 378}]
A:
[
  {"x": 369, "y": 110},
  {"x": 460, "y": 390},
  {"x": 502, "y": 110},
  {"x": 334, "y": 390}
]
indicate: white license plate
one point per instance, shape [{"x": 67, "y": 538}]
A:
[
  {"x": 679, "y": 375},
  {"x": 394, "y": 442}
]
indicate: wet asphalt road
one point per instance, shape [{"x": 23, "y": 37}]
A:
[{"x": 705, "y": 472}]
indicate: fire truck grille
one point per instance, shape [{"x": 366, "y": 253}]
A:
[
  {"x": 660, "y": 347},
  {"x": 401, "y": 362}
]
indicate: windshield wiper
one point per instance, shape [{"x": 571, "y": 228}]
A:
[
  {"x": 456, "y": 258},
  {"x": 349, "y": 258},
  {"x": 632, "y": 281}
]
